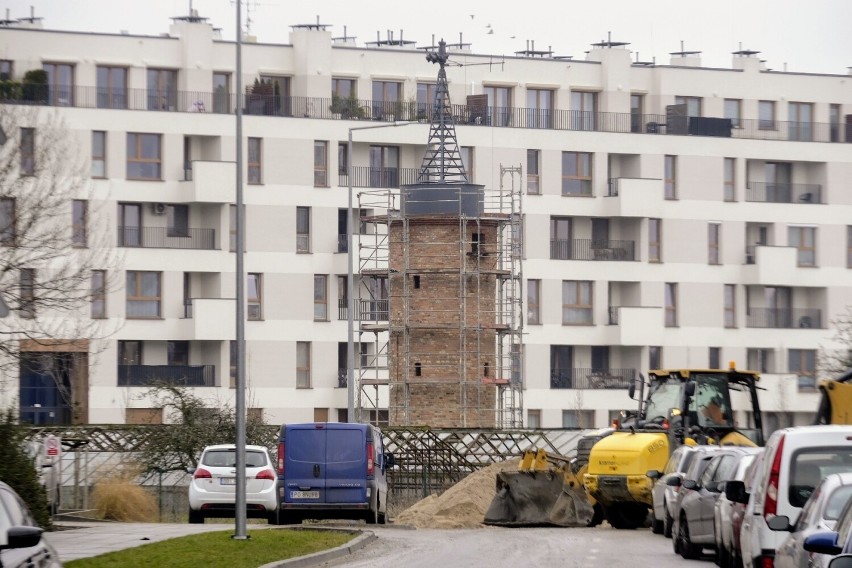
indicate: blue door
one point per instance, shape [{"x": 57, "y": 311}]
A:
[
  {"x": 305, "y": 465},
  {"x": 346, "y": 461}
]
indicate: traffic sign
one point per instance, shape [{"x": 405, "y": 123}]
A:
[{"x": 52, "y": 446}]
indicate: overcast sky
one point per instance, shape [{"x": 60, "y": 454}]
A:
[{"x": 807, "y": 36}]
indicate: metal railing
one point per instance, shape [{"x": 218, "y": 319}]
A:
[
  {"x": 589, "y": 249},
  {"x": 784, "y": 318},
  {"x": 366, "y": 176},
  {"x": 163, "y": 237},
  {"x": 585, "y": 379},
  {"x": 613, "y": 315},
  {"x": 184, "y": 375},
  {"x": 265, "y": 104},
  {"x": 365, "y": 310},
  {"x": 771, "y": 192}
]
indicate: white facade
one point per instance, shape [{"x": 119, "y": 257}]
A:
[{"x": 788, "y": 185}]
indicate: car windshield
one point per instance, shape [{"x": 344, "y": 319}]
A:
[
  {"x": 836, "y": 502},
  {"x": 712, "y": 400},
  {"x": 662, "y": 397},
  {"x": 228, "y": 458}
]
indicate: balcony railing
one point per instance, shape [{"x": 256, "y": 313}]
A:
[
  {"x": 365, "y": 176},
  {"x": 613, "y": 315},
  {"x": 163, "y": 237},
  {"x": 591, "y": 378},
  {"x": 770, "y": 192},
  {"x": 784, "y": 318},
  {"x": 365, "y": 310},
  {"x": 389, "y": 111},
  {"x": 589, "y": 249},
  {"x": 183, "y": 375}
]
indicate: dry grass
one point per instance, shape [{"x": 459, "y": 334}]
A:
[{"x": 121, "y": 498}]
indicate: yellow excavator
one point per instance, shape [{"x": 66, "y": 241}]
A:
[
  {"x": 835, "y": 405},
  {"x": 683, "y": 406}
]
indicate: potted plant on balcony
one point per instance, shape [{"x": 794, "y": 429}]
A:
[
  {"x": 34, "y": 87},
  {"x": 345, "y": 107},
  {"x": 10, "y": 90},
  {"x": 259, "y": 97}
]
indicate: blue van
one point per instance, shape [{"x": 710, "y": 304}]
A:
[{"x": 332, "y": 470}]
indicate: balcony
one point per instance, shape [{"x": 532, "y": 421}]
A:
[
  {"x": 365, "y": 310},
  {"x": 585, "y": 379},
  {"x": 181, "y": 375},
  {"x": 766, "y": 192},
  {"x": 473, "y": 115},
  {"x": 365, "y": 176},
  {"x": 588, "y": 249},
  {"x": 163, "y": 237},
  {"x": 784, "y": 318}
]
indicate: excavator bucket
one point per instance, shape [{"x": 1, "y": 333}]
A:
[{"x": 539, "y": 497}]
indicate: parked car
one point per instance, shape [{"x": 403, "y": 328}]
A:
[
  {"x": 696, "y": 502},
  {"x": 819, "y": 514},
  {"x": 795, "y": 461},
  {"x": 728, "y": 515},
  {"x": 838, "y": 541},
  {"x": 21, "y": 542},
  {"x": 332, "y": 470},
  {"x": 695, "y": 471},
  {"x": 212, "y": 492},
  {"x": 664, "y": 495}
]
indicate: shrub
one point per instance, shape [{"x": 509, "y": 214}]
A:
[
  {"x": 121, "y": 498},
  {"x": 17, "y": 469}
]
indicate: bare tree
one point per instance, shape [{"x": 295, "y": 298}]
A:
[
  {"x": 56, "y": 258},
  {"x": 837, "y": 359}
]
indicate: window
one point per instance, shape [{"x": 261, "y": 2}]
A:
[
  {"x": 766, "y": 115},
  {"x": 655, "y": 240},
  {"x": 804, "y": 239},
  {"x": 637, "y": 109},
  {"x": 802, "y": 362},
  {"x": 255, "y": 161},
  {"x": 560, "y": 238},
  {"x": 342, "y": 161},
  {"x": 384, "y": 166},
  {"x": 254, "y": 297},
  {"x": 232, "y": 228},
  {"x": 143, "y": 415},
  {"x": 713, "y": 236},
  {"x": 533, "y": 301},
  {"x": 8, "y": 222},
  {"x": 801, "y": 117},
  {"x": 60, "y": 82},
  {"x": 177, "y": 353},
  {"x": 144, "y": 156},
  {"x": 79, "y": 222},
  {"x": 655, "y": 357},
  {"x": 425, "y": 100},
  {"x": 5, "y": 70},
  {"x": 303, "y": 364},
  {"x": 583, "y": 110},
  {"x": 539, "y": 108},
  {"x": 27, "y": 285},
  {"x": 143, "y": 294},
  {"x": 233, "y": 357},
  {"x": 730, "y": 305},
  {"x": 533, "y": 178},
  {"x": 730, "y": 169},
  {"x": 693, "y": 105},
  {"x": 761, "y": 360},
  {"x": 386, "y": 95},
  {"x": 27, "y": 151},
  {"x": 303, "y": 229},
  {"x": 533, "y": 419},
  {"x": 499, "y": 105},
  {"x": 834, "y": 123},
  {"x": 466, "y": 153},
  {"x": 576, "y": 302},
  {"x": 577, "y": 418},
  {"x": 320, "y": 297},
  {"x": 112, "y": 87},
  {"x": 129, "y": 225},
  {"x": 177, "y": 219},
  {"x": 576, "y": 173},
  {"x": 162, "y": 89},
  {"x": 98, "y": 294},
  {"x": 671, "y": 177},
  {"x": 129, "y": 352},
  {"x": 343, "y": 88},
  {"x": 98, "y": 154},
  {"x": 320, "y": 163},
  {"x": 714, "y": 357},
  {"x": 671, "y": 304},
  {"x": 221, "y": 92},
  {"x": 732, "y": 111}
]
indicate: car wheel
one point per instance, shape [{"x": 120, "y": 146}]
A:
[
  {"x": 372, "y": 516},
  {"x": 667, "y": 523},
  {"x": 597, "y": 515},
  {"x": 626, "y": 515},
  {"x": 685, "y": 547},
  {"x": 196, "y": 517},
  {"x": 723, "y": 557},
  {"x": 656, "y": 526},
  {"x": 272, "y": 517}
]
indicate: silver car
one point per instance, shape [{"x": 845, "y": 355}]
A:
[
  {"x": 818, "y": 515},
  {"x": 726, "y": 513},
  {"x": 664, "y": 495}
]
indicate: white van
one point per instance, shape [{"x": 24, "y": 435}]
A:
[{"x": 795, "y": 461}]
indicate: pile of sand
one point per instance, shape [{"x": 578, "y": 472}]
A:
[{"x": 462, "y": 506}]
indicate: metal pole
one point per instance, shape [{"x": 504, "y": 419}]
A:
[{"x": 240, "y": 503}]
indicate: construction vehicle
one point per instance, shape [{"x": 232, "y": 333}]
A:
[
  {"x": 687, "y": 406},
  {"x": 835, "y": 405}
]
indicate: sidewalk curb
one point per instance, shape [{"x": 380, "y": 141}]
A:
[{"x": 363, "y": 539}]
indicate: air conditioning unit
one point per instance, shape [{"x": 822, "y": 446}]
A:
[{"x": 158, "y": 208}]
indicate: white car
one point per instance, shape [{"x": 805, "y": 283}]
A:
[{"x": 212, "y": 491}]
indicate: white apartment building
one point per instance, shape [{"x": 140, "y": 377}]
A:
[{"x": 674, "y": 216}]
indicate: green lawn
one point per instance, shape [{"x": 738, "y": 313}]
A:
[{"x": 218, "y": 549}]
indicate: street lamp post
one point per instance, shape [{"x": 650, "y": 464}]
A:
[{"x": 350, "y": 275}]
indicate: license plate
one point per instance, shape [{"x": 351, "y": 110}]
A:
[
  {"x": 304, "y": 495},
  {"x": 227, "y": 481}
]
